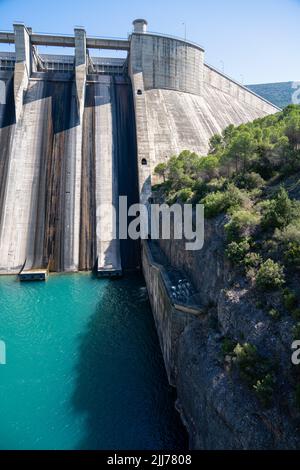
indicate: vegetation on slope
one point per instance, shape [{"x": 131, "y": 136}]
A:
[{"x": 252, "y": 174}]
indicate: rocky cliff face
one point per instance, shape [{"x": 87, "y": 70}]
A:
[{"x": 218, "y": 408}]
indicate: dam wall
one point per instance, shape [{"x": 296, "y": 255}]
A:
[
  {"x": 181, "y": 102},
  {"x": 216, "y": 79},
  {"x": 66, "y": 126},
  {"x": 108, "y": 171},
  {"x": 7, "y": 126},
  {"x": 167, "y": 63},
  {"x": 39, "y": 204},
  {"x": 78, "y": 131}
]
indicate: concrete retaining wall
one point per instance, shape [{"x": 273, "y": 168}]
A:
[{"x": 170, "y": 320}]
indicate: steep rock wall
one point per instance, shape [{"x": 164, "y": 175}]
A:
[{"x": 217, "y": 407}]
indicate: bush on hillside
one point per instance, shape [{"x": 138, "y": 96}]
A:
[
  {"x": 292, "y": 255},
  {"x": 219, "y": 201},
  {"x": 252, "y": 260},
  {"x": 264, "y": 389},
  {"x": 228, "y": 346},
  {"x": 243, "y": 224},
  {"x": 249, "y": 181},
  {"x": 184, "y": 195},
  {"x": 280, "y": 212},
  {"x": 289, "y": 234},
  {"x": 289, "y": 299},
  {"x": 270, "y": 275},
  {"x": 236, "y": 251},
  {"x": 161, "y": 170},
  {"x": 256, "y": 371},
  {"x": 296, "y": 331}
]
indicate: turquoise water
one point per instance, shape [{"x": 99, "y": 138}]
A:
[{"x": 84, "y": 369}]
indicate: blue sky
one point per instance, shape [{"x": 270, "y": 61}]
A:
[{"x": 254, "y": 41}]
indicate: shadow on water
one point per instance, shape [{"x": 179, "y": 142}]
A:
[{"x": 121, "y": 385}]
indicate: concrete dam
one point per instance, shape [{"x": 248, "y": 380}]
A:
[{"x": 78, "y": 131}]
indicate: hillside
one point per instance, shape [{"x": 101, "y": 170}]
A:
[
  {"x": 236, "y": 356},
  {"x": 279, "y": 94}
]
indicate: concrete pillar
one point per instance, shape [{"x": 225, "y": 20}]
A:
[
  {"x": 74, "y": 162},
  {"x": 80, "y": 67},
  {"x": 23, "y": 65}
]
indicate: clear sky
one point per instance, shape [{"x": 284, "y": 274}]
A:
[{"x": 254, "y": 41}]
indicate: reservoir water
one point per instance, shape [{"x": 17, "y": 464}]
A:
[{"x": 84, "y": 369}]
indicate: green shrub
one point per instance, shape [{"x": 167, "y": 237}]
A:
[
  {"x": 280, "y": 211},
  {"x": 171, "y": 198},
  {"x": 270, "y": 275},
  {"x": 242, "y": 224},
  {"x": 263, "y": 165},
  {"x": 236, "y": 251},
  {"x": 249, "y": 181},
  {"x": 292, "y": 255},
  {"x": 185, "y": 194},
  {"x": 235, "y": 198},
  {"x": 252, "y": 366},
  {"x": 255, "y": 193},
  {"x": 296, "y": 313},
  {"x": 273, "y": 312},
  {"x": 215, "y": 143},
  {"x": 217, "y": 184},
  {"x": 290, "y": 300},
  {"x": 208, "y": 166},
  {"x": 289, "y": 234},
  {"x": 260, "y": 304},
  {"x": 221, "y": 201},
  {"x": 296, "y": 331},
  {"x": 264, "y": 206},
  {"x": 228, "y": 346},
  {"x": 252, "y": 260},
  {"x": 247, "y": 359},
  {"x": 264, "y": 389},
  {"x": 256, "y": 371},
  {"x": 200, "y": 190},
  {"x": 214, "y": 204},
  {"x": 161, "y": 170}
]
